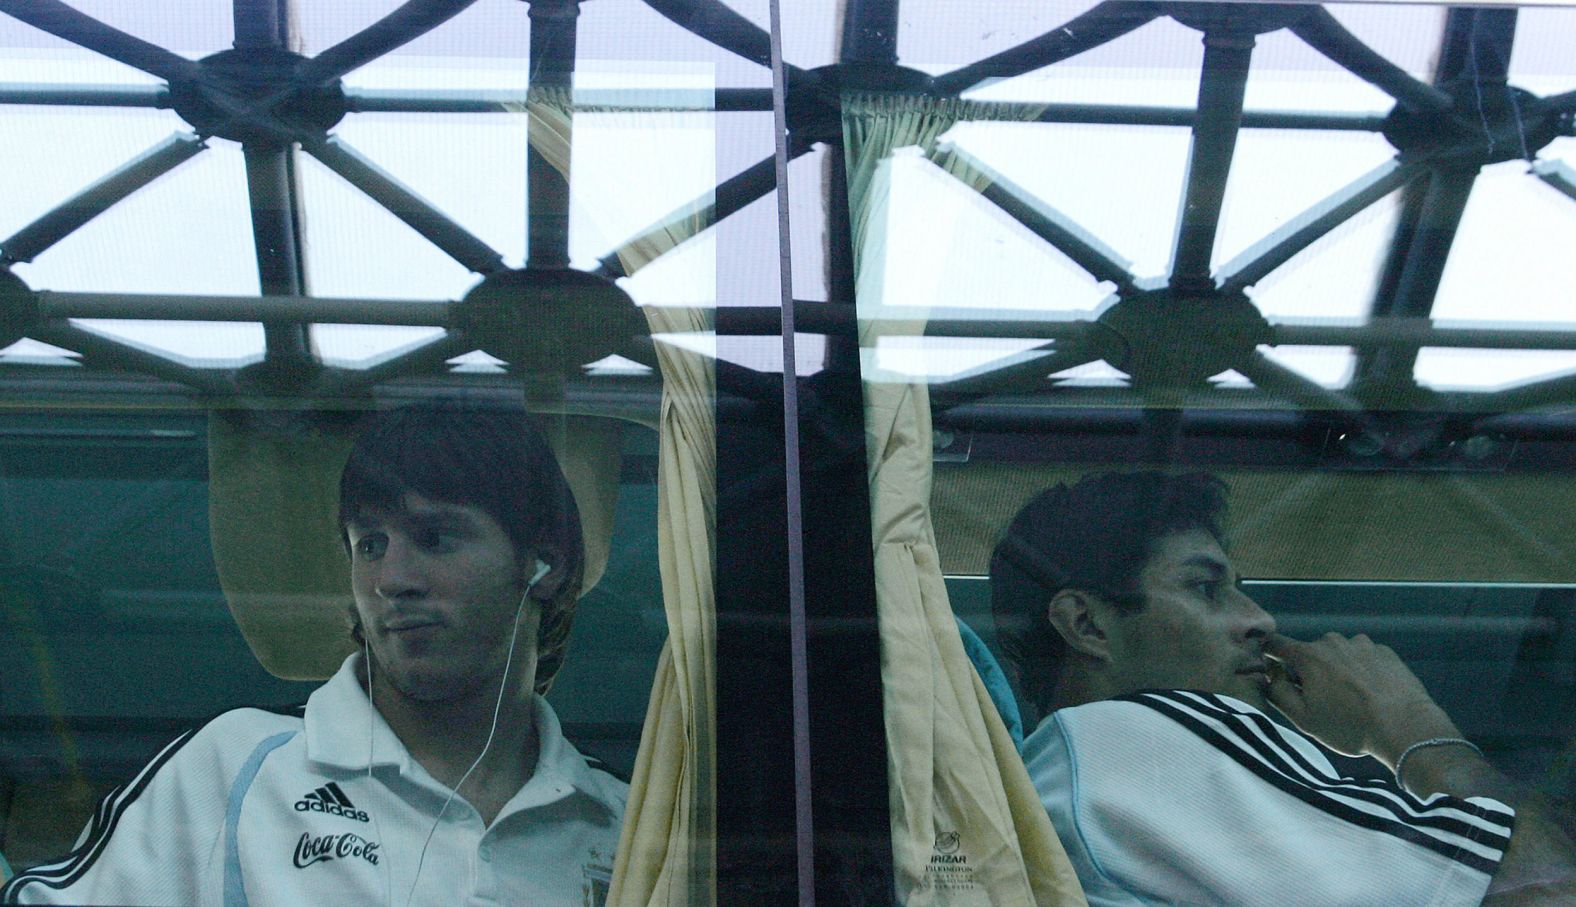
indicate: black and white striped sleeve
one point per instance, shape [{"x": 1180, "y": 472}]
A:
[
  {"x": 156, "y": 838},
  {"x": 1472, "y": 831},
  {"x": 1180, "y": 797}
]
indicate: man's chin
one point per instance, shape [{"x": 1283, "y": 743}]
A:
[{"x": 1251, "y": 691}]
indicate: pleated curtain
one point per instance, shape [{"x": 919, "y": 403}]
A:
[
  {"x": 667, "y": 852},
  {"x": 958, "y": 788}
]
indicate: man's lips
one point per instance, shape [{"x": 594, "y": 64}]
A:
[
  {"x": 406, "y": 624},
  {"x": 1256, "y": 669}
]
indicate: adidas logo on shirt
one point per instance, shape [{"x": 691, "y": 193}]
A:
[{"x": 330, "y": 799}]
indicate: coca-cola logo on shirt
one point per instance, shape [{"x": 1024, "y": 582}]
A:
[{"x": 318, "y": 848}]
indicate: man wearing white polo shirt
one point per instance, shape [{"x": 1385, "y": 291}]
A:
[
  {"x": 429, "y": 769},
  {"x": 1167, "y": 781}
]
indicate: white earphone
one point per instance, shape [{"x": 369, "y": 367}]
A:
[{"x": 542, "y": 569}]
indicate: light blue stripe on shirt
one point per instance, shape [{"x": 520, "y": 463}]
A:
[{"x": 234, "y": 890}]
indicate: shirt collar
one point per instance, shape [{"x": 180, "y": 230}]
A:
[{"x": 340, "y": 722}]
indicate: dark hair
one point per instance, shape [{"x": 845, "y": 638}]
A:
[
  {"x": 485, "y": 455},
  {"x": 1095, "y": 535}
]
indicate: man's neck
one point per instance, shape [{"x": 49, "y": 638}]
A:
[
  {"x": 1078, "y": 688},
  {"x": 446, "y": 737}
]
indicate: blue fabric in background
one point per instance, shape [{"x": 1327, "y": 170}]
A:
[{"x": 995, "y": 681}]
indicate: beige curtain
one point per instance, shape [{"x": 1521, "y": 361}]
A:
[
  {"x": 667, "y": 852},
  {"x": 958, "y": 786}
]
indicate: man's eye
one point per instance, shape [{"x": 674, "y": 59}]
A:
[
  {"x": 371, "y": 546},
  {"x": 435, "y": 539},
  {"x": 1208, "y": 588}
]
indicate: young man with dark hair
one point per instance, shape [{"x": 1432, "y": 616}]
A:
[
  {"x": 1124, "y": 620},
  {"x": 429, "y": 769}
]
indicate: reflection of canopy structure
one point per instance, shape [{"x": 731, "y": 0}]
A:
[
  {"x": 1167, "y": 335},
  {"x": 271, "y": 100}
]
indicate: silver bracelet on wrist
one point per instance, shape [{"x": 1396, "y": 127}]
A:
[{"x": 1400, "y": 764}]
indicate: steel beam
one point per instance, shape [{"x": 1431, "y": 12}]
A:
[
  {"x": 102, "y": 352},
  {"x": 1057, "y": 230},
  {"x": 59, "y": 222},
  {"x": 1139, "y": 115},
  {"x": 274, "y": 197},
  {"x": 161, "y": 307},
  {"x": 869, "y": 32},
  {"x": 1564, "y": 101},
  {"x": 1273, "y": 378},
  {"x": 1106, "y": 22},
  {"x": 1259, "y": 260},
  {"x": 405, "y": 24},
  {"x": 66, "y": 22},
  {"x": 731, "y": 195},
  {"x": 546, "y": 185},
  {"x": 1558, "y": 174},
  {"x": 719, "y": 100},
  {"x": 1548, "y": 392},
  {"x": 428, "y": 358},
  {"x": 40, "y": 94},
  {"x": 1024, "y": 372},
  {"x": 1220, "y": 94},
  {"x": 1379, "y": 333},
  {"x": 262, "y": 23},
  {"x": 1476, "y": 47},
  {"x": 716, "y": 23},
  {"x": 415, "y": 211},
  {"x": 1324, "y": 33}
]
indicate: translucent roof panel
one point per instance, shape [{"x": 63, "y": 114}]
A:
[
  {"x": 807, "y": 223},
  {"x": 1487, "y": 370},
  {"x": 631, "y": 30},
  {"x": 188, "y": 232},
  {"x": 355, "y": 248},
  {"x": 1331, "y": 366},
  {"x": 51, "y": 153},
  {"x": 1260, "y": 199},
  {"x": 1287, "y": 74},
  {"x": 1540, "y": 60},
  {"x": 949, "y": 35},
  {"x": 1091, "y": 374},
  {"x": 685, "y": 276},
  {"x": 487, "y": 28},
  {"x": 1120, "y": 183},
  {"x": 193, "y": 28},
  {"x": 1406, "y": 34},
  {"x": 946, "y": 246},
  {"x": 940, "y": 358},
  {"x": 1157, "y": 64},
  {"x": 1511, "y": 260},
  {"x": 31, "y": 352},
  {"x": 208, "y": 344},
  {"x": 365, "y": 345},
  {"x": 495, "y": 36},
  {"x": 634, "y": 170},
  {"x": 1336, "y": 276},
  {"x": 481, "y": 183}
]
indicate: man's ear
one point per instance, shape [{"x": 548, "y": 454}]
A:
[
  {"x": 1079, "y": 619},
  {"x": 554, "y": 581}
]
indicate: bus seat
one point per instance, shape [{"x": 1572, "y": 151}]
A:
[{"x": 1316, "y": 525}]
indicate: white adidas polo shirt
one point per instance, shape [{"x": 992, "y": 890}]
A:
[
  {"x": 258, "y": 808},
  {"x": 1179, "y": 797}
]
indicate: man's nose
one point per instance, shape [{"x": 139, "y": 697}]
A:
[
  {"x": 401, "y": 572},
  {"x": 1257, "y": 622}
]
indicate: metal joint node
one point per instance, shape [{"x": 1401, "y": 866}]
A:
[{"x": 250, "y": 95}]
